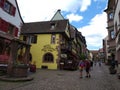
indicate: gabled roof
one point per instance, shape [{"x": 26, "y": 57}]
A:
[
  {"x": 44, "y": 27},
  {"x": 57, "y": 16}
]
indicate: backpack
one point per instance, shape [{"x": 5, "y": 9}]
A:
[{"x": 81, "y": 64}]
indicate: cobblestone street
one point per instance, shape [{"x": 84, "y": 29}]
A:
[{"x": 67, "y": 80}]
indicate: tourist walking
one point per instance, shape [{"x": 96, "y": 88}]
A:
[
  {"x": 87, "y": 68},
  {"x": 81, "y": 67}
]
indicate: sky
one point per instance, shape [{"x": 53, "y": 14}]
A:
[{"x": 87, "y": 16}]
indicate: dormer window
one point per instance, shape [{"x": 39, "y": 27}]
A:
[{"x": 52, "y": 25}]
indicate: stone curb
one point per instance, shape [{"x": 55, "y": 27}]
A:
[{"x": 15, "y": 79}]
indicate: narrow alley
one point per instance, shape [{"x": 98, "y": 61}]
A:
[{"x": 67, "y": 80}]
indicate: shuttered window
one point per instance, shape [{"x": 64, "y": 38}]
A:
[
  {"x": 7, "y": 7},
  {"x": 8, "y": 28}
]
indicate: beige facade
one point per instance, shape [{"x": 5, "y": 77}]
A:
[
  {"x": 111, "y": 32},
  {"x": 117, "y": 28},
  {"x": 113, "y": 12}
]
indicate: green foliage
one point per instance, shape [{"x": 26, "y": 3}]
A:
[{"x": 82, "y": 57}]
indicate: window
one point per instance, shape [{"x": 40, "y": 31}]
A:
[
  {"x": 30, "y": 39},
  {"x": 24, "y": 38},
  {"x": 10, "y": 29},
  {"x": 110, "y": 16},
  {"x": 7, "y": 7},
  {"x": 48, "y": 57},
  {"x": 53, "y": 39},
  {"x": 52, "y": 25},
  {"x": 34, "y": 39},
  {"x": 112, "y": 34}
]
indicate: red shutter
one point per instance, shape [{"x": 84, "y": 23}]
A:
[
  {"x": 2, "y": 3},
  {"x": 16, "y": 32},
  {"x": 4, "y": 25},
  {"x": 13, "y": 10},
  {"x": 0, "y": 23}
]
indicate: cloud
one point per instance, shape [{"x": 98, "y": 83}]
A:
[
  {"x": 74, "y": 17},
  {"x": 42, "y": 10},
  {"x": 84, "y": 5},
  {"x": 95, "y": 31}
]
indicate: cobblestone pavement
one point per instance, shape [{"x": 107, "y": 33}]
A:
[{"x": 67, "y": 80}]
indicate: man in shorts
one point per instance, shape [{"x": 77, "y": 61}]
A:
[{"x": 87, "y": 68}]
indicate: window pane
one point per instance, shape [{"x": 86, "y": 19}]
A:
[
  {"x": 111, "y": 16},
  {"x": 53, "y": 39},
  {"x": 10, "y": 29},
  {"x": 48, "y": 57},
  {"x": 112, "y": 34},
  {"x": 7, "y": 7},
  {"x": 34, "y": 39}
]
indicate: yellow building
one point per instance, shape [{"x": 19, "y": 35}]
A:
[{"x": 53, "y": 44}]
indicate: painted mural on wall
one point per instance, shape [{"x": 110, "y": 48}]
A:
[{"x": 48, "y": 48}]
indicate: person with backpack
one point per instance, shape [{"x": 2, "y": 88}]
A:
[
  {"x": 81, "y": 67},
  {"x": 87, "y": 68}
]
